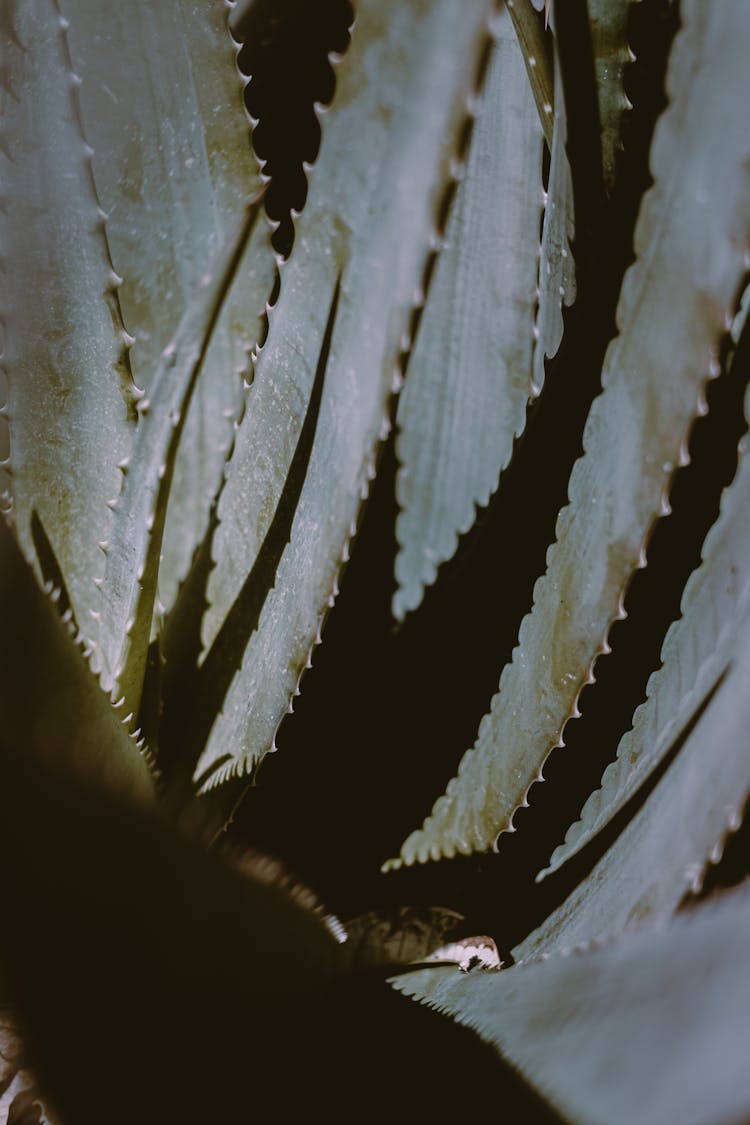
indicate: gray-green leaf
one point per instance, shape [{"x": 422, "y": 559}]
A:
[
  {"x": 370, "y": 221},
  {"x": 162, "y": 105},
  {"x": 651, "y": 1029},
  {"x": 65, "y": 349},
  {"x": 667, "y": 846},
  {"x": 693, "y": 657},
  {"x": 469, "y": 377},
  {"x": 690, "y": 238}
]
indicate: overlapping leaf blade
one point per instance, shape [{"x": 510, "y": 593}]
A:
[
  {"x": 64, "y": 347},
  {"x": 653, "y": 1028},
  {"x": 690, "y": 241},
  {"x": 161, "y": 99},
  {"x": 370, "y": 220},
  {"x": 694, "y": 655},
  {"x": 684, "y": 821},
  {"x": 470, "y": 373},
  {"x": 135, "y": 541}
]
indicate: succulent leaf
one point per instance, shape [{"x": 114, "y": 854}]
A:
[
  {"x": 135, "y": 542},
  {"x": 372, "y": 215},
  {"x": 690, "y": 242},
  {"x": 469, "y": 377},
  {"x": 161, "y": 99},
  {"x": 652, "y": 1028},
  {"x": 693, "y": 802},
  {"x": 693, "y": 657},
  {"x": 65, "y": 349}
]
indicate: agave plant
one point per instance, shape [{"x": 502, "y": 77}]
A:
[{"x": 484, "y": 264}]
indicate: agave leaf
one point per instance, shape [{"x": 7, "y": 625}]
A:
[
  {"x": 689, "y": 240},
  {"x": 51, "y": 704},
  {"x": 374, "y": 206},
  {"x": 65, "y": 350},
  {"x": 684, "y": 822},
  {"x": 470, "y": 372},
  {"x": 162, "y": 104},
  {"x": 134, "y": 546},
  {"x": 693, "y": 657},
  {"x": 651, "y": 1029}
]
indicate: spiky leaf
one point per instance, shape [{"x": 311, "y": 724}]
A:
[
  {"x": 470, "y": 374},
  {"x": 694, "y": 655},
  {"x": 651, "y": 1029},
  {"x": 366, "y": 232},
  {"x": 161, "y": 99},
  {"x": 135, "y": 541},
  {"x": 685, "y": 821},
  {"x": 690, "y": 238},
  {"x": 65, "y": 350}
]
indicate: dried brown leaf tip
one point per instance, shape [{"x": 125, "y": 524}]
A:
[{"x": 413, "y": 935}]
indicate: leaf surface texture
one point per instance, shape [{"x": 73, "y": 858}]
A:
[
  {"x": 652, "y": 1028},
  {"x": 693, "y": 657},
  {"x": 365, "y": 234},
  {"x": 469, "y": 376},
  {"x": 690, "y": 240}
]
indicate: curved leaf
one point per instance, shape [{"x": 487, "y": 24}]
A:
[
  {"x": 666, "y": 848},
  {"x": 161, "y": 99},
  {"x": 134, "y": 546},
  {"x": 64, "y": 349},
  {"x": 470, "y": 373},
  {"x": 693, "y": 657},
  {"x": 690, "y": 239},
  {"x": 374, "y": 203},
  {"x": 651, "y": 1029}
]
